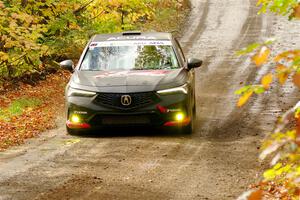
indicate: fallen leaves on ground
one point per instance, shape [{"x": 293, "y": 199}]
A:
[
  {"x": 257, "y": 195},
  {"x": 33, "y": 121},
  {"x": 271, "y": 190}
]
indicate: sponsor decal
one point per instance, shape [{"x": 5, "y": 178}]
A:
[
  {"x": 93, "y": 44},
  {"x": 138, "y": 73},
  {"x": 130, "y": 43},
  {"x": 80, "y": 112},
  {"x": 131, "y": 38}
]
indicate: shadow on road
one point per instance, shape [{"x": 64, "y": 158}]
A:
[{"x": 132, "y": 132}]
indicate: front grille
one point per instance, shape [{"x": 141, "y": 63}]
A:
[{"x": 138, "y": 100}]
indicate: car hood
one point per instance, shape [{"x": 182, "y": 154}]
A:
[{"x": 128, "y": 81}]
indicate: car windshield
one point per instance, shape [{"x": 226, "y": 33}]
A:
[{"x": 130, "y": 55}]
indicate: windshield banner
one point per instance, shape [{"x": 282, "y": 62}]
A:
[{"x": 131, "y": 43}]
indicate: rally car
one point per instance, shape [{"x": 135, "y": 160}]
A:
[{"x": 131, "y": 79}]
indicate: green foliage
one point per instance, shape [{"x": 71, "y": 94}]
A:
[
  {"x": 34, "y": 33},
  {"x": 257, "y": 89},
  {"x": 282, "y": 7},
  {"x": 248, "y": 49}
]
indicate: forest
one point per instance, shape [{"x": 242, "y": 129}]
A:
[{"x": 35, "y": 35}]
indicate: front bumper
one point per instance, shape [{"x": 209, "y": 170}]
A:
[{"x": 163, "y": 112}]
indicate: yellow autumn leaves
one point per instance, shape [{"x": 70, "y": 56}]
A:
[
  {"x": 244, "y": 98},
  {"x": 287, "y": 63},
  {"x": 282, "y": 73},
  {"x": 265, "y": 85},
  {"x": 267, "y": 80},
  {"x": 262, "y": 56}
]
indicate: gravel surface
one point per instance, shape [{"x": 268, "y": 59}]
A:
[{"x": 217, "y": 162}]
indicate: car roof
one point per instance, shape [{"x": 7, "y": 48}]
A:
[{"x": 132, "y": 35}]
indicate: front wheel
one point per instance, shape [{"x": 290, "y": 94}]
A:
[
  {"x": 72, "y": 131},
  {"x": 187, "y": 130}
]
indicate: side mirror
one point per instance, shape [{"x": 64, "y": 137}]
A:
[
  {"x": 194, "y": 63},
  {"x": 67, "y": 64}
]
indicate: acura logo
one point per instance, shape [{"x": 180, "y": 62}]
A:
[{"x": 126, "y": 100}]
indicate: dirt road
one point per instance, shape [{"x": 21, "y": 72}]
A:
[{"x": 217, "y": 162}]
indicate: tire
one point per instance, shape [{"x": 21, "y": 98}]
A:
[
  {"x": 72, "y": 131},
  {"x": 187, "y": 130}
]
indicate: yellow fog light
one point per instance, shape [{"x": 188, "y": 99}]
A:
[
  {"x": 179, "y": 117},
  {"x": 75, "y": 119}
]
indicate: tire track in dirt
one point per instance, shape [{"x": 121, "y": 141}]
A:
[
  {"x": 227, "y": 83},
  {"x": 200, "y": 25}
]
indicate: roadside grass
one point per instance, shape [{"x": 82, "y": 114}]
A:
[{"x": 18, "y": 107}]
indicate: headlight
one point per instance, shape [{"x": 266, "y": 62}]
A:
[
  {"x": 80, "y": 93},
  {"x": 182, "y": 89}
]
